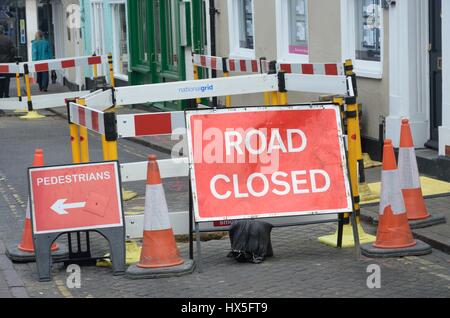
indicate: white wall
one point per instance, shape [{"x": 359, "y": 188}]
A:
[
  {"x": 32, "y": 23},
  {"x": 444, "y": 130}
]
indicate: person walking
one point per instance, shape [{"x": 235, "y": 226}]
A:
[
  {"x": 41, "y": 51},
  {"x": 7, "y": 55}
]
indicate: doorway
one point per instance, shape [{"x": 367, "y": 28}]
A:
[
  {"x": 435, "y": 9},
  {"x": 45, "y": 22}
]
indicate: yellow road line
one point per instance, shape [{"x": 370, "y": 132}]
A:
[{"x": 65, "y": 292}]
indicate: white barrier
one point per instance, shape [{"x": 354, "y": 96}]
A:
[
  {"x": 96, "y": 100},
  {"x": 246, "y": 84},
  {"x": 100, "y": 100},
  {"x": 40, "y": 101},
  {"x": 316, "y": 84}
]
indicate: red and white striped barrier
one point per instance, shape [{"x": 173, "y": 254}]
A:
[
  {"x": 10, "y": 68},
  {"x": 243, "y": 66},
  {"x": 207, "y": 61},
  {"x": 65, "y": 63},
  {"x": 53, "y": 65},
  {"x": 329, "y": 69},
  {"x": 150, "y": 124},
  {"x": 87, "y": 117}
]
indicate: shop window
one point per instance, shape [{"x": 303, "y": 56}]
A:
[
  {"x": 120, "y": 43},
  {"x": 97, "y": 27},
  {"x": 241, "y": 28},
  {"x": 141, "y": 25},
  {"x": 368, "y": 36},
  {"x": 293, "y": 31},
  {"x": 362, "y": 36}
]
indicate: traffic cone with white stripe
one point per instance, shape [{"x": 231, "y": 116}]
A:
[
  {"x": 24, "y": 252},
  {"x": 160, "y": 256},
  {"x": 416, "y": 209},
  {"x": 394, "y": 236}
]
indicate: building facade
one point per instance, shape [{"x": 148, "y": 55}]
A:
[
  {"x": 398, "y": 47},
  {"x": 105, "y": 30},
  {"x": 163, "y": 34}
]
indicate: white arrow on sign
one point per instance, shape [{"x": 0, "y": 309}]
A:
[{"x": 60, "y": 206}]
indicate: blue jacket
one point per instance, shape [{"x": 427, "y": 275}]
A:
[{"x": 41, "y": 50}]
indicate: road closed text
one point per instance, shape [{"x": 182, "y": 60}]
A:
[
  {"x": 257, "y": 142},
  {"x": 280, "y": 183}
]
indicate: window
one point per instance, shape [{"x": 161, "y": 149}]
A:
[
  {"x": 120, "y": 46},
  {"x": 171, "y": 35},
  {"x": 97, "y": 27},
  {"x": 368, "y": 22},
  {"x": 362, "y": 36},
  {"x": 292, "y": 39},
  {"x": 143, "y": 57},
  {"x": 241, "y": 28}
]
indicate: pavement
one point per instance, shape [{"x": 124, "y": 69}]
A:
[{"x": 300, "y": 267}]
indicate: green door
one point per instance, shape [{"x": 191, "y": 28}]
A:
[
  {"x": 155, "y": 45},
  {"x": 140, "y": 31}
]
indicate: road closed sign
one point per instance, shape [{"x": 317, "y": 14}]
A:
[
  {"x": 75, "y": 197},
  {"x": 263, "y": 162}
]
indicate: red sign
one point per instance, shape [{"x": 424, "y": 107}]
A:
[
  {"x": 267, "y": 162},
  {"x": 75, "y": 197}
]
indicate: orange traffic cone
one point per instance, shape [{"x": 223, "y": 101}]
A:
[
  {"x": 26, "y": 244},
  {"x": 409, "y": 176},
  {"x": 393, "y": 228},
  {"x": 159, "y": 248},
  {"x": 24, "y": 251},
  {"x": 159, "y": 254},
  {"x": 416, "y": 209},
  {"x": 394, "y": 237}
]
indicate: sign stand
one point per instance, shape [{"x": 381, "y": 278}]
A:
[
  {"x": 43, "y": 242},
  {"x": 339, "y": 236},
  {"x": 355, "y": 235},
  {"x": 344, "y": 216},
  {"x": 79, "y": 256},
  {"x": 340, "y": 230}
]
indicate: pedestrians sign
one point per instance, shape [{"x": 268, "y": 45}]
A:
[
  {"x": 267, "y": 162},
  {"x": 75, "y": 197}
]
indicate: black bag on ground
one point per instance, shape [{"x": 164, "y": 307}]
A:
[{"x": 250, "y": 241}]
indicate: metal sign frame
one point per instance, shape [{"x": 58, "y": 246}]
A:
[
  {"x": 194, "y": 226},
  {"x": 349, "y": 207}
]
